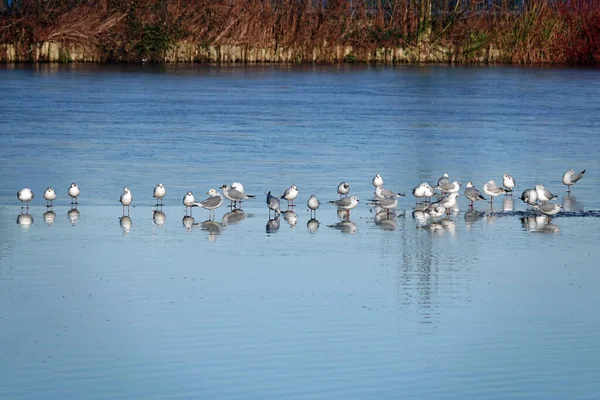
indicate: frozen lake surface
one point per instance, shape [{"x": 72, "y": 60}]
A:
[{"x": 487, "y": 304}]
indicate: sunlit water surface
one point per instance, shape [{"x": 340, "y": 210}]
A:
[{"x": 486, "y": 305}]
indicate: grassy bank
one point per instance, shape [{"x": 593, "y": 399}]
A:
[{"x": 523, "y": 31}]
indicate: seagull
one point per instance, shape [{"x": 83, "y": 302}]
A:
[
  {"x": 429, "y": 192},
  {"x": 212, "y": 202},
  {"x": 419, "y": 191},
  {"x": 449, "y": 187},
  {"x": 346, "y": 203},
  {"x": 382, "y": 193},
  {"x": 49, "y": 196},
  {"x": 549, "y": 209},
  {"x": 377, "y": 181},
  {"x": 235, "y": 195},
  {"x": 25, "y": 195},
  {"x": 188, "y": 201},
  {"x": 74, "y": 193},
  {"x": 543, "y": 194},
  {"x": 126, "y": 199},
  {"x": 473, "y": 194},
  {"x": 313, "y": 203},
  {"x": 343, "y": 189},
  {"x": 388, "y": 203},
  {"x": 159, "y": 193},
  {"x": 273, "y": 204},
  {"x": 290, "y": 194},
  {"x": 238, "y": 186},
  {"x": 443, "y": 180},
  {"x": 492, "y": 190},
  {"x": 529, "y": 196},
  {"x": 570, "y": 178},
  {"x": 508, "y": 182}
]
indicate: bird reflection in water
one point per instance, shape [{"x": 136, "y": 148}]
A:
[
  {"x": 539, "y": 224},
  {"x": 570, "y": 204},
  {"x": 273, "y": 224},
  {"x": 24, "y": 220},
  {"x": 159, "y": 218},
  {"x": 386, "y": 220},
  {"x": 125, "y": 223},
  {"x": 508, "y": 204},
  {"x": 73, "y": 215},
  {"x": 49, "y": 217},
  {"x": 235, "y": 216},
  {"x": 290, "y": 217},
  {"x": 472, "y": 216},
  {"x": 312, "y": 225},
  {"x": 188, "y": 222},
  {"x": 213, "y": 228}
]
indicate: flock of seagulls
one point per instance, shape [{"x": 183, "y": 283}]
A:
[{"x": 445, "y": 192}]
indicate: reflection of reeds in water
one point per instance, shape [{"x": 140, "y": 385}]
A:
[{"x": 533, "y": 31}]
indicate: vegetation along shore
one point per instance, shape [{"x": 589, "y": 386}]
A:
[{"x": 298, "y": 31}]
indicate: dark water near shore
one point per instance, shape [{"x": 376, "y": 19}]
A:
[{"x": 481, "y": 305}]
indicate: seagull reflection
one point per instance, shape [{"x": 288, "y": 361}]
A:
[
  {"x": 24, "y": 220},
  {"x": 386, "y": 220},
  {"x": 233, "y": 217},
  {"x": 73, "y": 215},
  {"x": 508, "y": 204},
  {"x": 345, "y": 226},
  {"x": 290, "y": 217},
  {"x": 312, "y": 225},
  {"x": 188, "y": 222},
  {"x": 571, "y": 204},
  {"x": 273, "y": 225},
  {"x": 213, "y": 228},
  {"x": 539, "y": 224},
  {"x": 49, "y": 217},
  {"x": 473, "y": 216},
  {"x": 125, "y": 222},
  {"x": 159, "y": 218}
]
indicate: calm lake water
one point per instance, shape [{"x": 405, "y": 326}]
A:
[{"x": 482, "y": 305}]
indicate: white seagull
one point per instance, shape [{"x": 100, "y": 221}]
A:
[
  {"x": 25, "y": 195},
  {"x": 313, "y": 203},
  {"x": 126, "y": 199},
  {"x": 543, "y": 194},
  {"x": 290, "y": 194},
  {"x": 508, "y": 182},
  {"x": 159, "y": 193},
  {"x": 49, "y": 196},
  {"x": 570, "y": 178},
  {"x": 343, "y": 189},
  {"x": 492, "y": 190},
  {"x": 188, "y": 201},
  {"x": 74, "y": 192}
]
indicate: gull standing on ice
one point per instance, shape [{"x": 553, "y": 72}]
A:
[
  {"x": 212, "y": 202},
  {"x": 419, "y": 191},
  {"x": 388, "y": 203},
  {"x": 235, "y": 195},
  {"x": 443, "y": 180},
  {"x": 508, "y": 182},
  {"x": 450, "y": 187},
  {"x": 548, "y": 208},
  {"x": 290, "y": 194},
  {"x": 49, "y": 196},
  {"x": 25, "y": 195},
  {"x": 529, "y": 196},
  {"x": 343, "y": 189},
  {"x": 346, "y": 203},
  {"x": 159, "y": 193},
  {"x": 273, "y": 204},
  {"x": 473, "y": 194},
  {"x": 570, "y": 178},
  {"x": 492, "y": 190},
  {"x": 188, "y": 201},
  {"x": 126, "y": 199},
  {"x": 543, "y": 194},
  {"x": 313, "y": 203},
  {"x": 74, "y": 193},
  {"x": 377, "y": 181},
  {"x": 382, "y": 193}
]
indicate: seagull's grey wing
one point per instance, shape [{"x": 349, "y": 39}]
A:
[
  {"x": 344, "y": 202},
  {"x": 577, "y": 176},
  {"x": 235, "y": 194},
  {"x": 211, "y": 202},
  {"x": 385, "y": 202}
]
